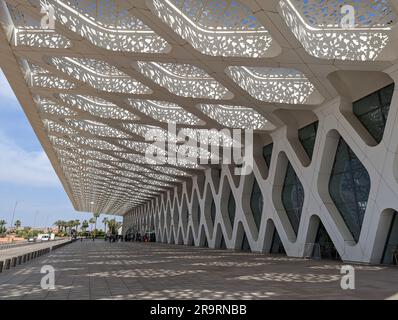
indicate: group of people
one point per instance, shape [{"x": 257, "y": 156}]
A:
[
  {"x": 114, "y": 238},
  {"x": 137, "y": 237}
]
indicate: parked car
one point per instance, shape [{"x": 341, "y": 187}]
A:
[
  {"x": 31, "y": 239},
  {"x": 45, "y": 238}
]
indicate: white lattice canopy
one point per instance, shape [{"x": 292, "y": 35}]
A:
[{"x": 113, "y": 76}]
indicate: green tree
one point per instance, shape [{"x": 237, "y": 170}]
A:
[
  {"x": 95, "y": 216},
  {"x": 105, "y": 222},
  {"x": 63, "y": 225},
  {"x": 113, "y": 226},
  {"x": 70, "y": 224},
  {"x": 59, "y": 225},
  {"x": 2, "y": 226},
  {"x": 17, "y": 224},
  {"x": 77, "y": 224},
  {"x": 91, "y": 222},
  {"x": 85, "y": 225}
]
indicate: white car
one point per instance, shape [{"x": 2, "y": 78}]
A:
[{"x": 45, "y": 238}]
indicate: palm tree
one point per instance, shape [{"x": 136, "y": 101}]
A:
[
  {"x": 63, "y": 225},
  {"x": 71, "y": 224},
  {"x": 17, "y": 224},
  {"x": 2, "y": 228},
  {"x": 95, "y": 216},
  {"x": 84, "y": 225},
  {"x": 105, "y": 222},
  {"x": 113, "y": 226},
  {"x": 91, "y": 222},
  {"x": 58, "y": 224},
  {"x": 77, "y": 224}
]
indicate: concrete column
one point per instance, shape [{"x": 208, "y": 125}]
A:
[
  {"x": 19, "y": 260},
  {"x": 24, "y": 257},
  {"x": 14, "y": 262},
  {"x": 1, "y": 266},
  {"x": 7, "y": 264}
]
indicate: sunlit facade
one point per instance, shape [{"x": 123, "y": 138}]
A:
[{"x": 319, "y": 97}]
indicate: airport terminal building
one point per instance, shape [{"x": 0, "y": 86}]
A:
[{"x": 310, "y": 84}]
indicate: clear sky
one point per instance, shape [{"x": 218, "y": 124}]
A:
[{"x": 26, "y": 175}]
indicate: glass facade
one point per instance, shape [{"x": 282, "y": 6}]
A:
[
  {"x": 231, "y": 209},
  {"x": 390, "y": 254},
  {"x": 267, "y": 153},
  {"x": 186, "y": 215},
  {"x": 222, "y": 244},
  {"x": 373, "y": 109},
  {"x": 293, "y": 197},
  {"x": 245, "y": 244},
  {"x": 307, "y": 136},
  {"x": 213, "y": 211},
  {"x": 277, "y": 245},
  {"x": 197, "y": 213},
  {"x": 349, "y": 187},
  {"x": 256, "y": 203},
  {"x": 206, "y": 244},
  {"x": 326, "y": 246}
]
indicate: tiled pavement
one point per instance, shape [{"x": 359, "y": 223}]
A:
[{"x": 102, "y": 270}]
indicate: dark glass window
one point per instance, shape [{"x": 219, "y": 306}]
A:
[
  {"x": 186, "y": 215},
  {"x": 231, "y": 209},
  {"x": 256, "y": 203},
  {"x": 326, "y": 246},
  {"x": 245, "y": 244},
  {"x": 213, "y": 211},
  {"x": 206, "y": 244},
  {"x": 349, "y": 188},
  {"x": 267, "y": 153},
  {"x": 373, "y": 109},
  {"x": 222, "y": 244},
  {"x": 197, "y": 218},
  {"x": 277, "y": 246},
  {"x": 293, "y": 197},
  {"x": 390, "y": 254},
  {"x": 307, "y": 136}
]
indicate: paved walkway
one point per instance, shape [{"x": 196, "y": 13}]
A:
[{"x": 101, "y": 270}]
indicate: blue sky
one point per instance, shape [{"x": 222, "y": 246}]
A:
[{"x": 26, "y": 175}]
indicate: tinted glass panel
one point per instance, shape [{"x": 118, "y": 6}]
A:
[
  {"x": 256, "y": 203},
  {"x": 222, "y": 244},
  {"x": 213, "y": 211},
  {"x": 307, "y": 136},
  {"x": 245, "y": 244},
  {"x": 349, "y": 187},
  {"x": 198, "y": 212},
  {"x": 390, "y": 255},
  {"x": 267, "y": 154},
  {"x": 277, "y": 246},
  {"x": 293, "y": 197},
  {"x": 231, "y": 209},
  {"x": 327, "y": 248},
  {"x": 373, "y": 110}
]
